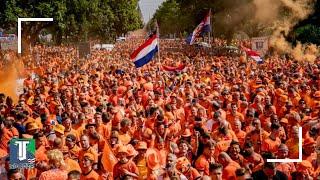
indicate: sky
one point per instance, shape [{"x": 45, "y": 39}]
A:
[{"x": 148, "y": 8}]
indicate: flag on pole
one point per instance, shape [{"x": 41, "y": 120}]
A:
[
  {"x": 145, "y": 52},
  {"x": 203, "y": 27}
]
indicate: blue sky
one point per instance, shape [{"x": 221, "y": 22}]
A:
[{"x": 148, "y": 8}]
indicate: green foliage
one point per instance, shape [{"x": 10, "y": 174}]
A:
[
  {"x": 180, "y": 16},
  {"x": 75, "y": 20},
  {"x": 228, "y": 18},
  {"x": 309, "y": 33}
]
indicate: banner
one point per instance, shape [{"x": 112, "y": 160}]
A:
[
  {"x": 260, "y": 44},
  {"x": 9, "y": 45}
]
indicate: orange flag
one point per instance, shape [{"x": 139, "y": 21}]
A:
[{"x": 108, "y": 159}]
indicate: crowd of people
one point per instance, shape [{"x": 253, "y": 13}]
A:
[{"x": 221, "y": 117}]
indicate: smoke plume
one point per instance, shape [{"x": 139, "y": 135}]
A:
[
  {"x": 270, "y": 11},
  {"x": 8, "y": 78}
]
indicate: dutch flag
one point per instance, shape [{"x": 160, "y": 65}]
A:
[
  {"x": 145, "y": 52},
  {"x": 203, "y": 27},
  {"x": 253, "y": 54}
]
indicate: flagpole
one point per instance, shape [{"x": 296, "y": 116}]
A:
[
  {"x": 210, "y": 26},
  {"x": 158, "y": 36}
]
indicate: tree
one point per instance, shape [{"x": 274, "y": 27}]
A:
[
  {"x": 126, "y": 14},
  {"x": 13, "y": 9},
  {"x": 74, "y": 20}
]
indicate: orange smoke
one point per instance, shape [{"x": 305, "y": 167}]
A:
[{"x": 8, "y": 79}]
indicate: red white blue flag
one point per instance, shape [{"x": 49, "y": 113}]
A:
[
  {"x": 145, "y": 52},
  {"x": 253, "y": 54},
  {"x": 203, "y": 27}
]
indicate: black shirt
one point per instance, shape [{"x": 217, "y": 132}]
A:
[{"x": 260, "y": 175}]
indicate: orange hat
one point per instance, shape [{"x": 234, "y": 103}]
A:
[
  {"x": 89, "y": 156},
  {"x": 141, "y": 145},
  {"x": 215, "y": 94},
  {"x": 153, "y": 158},
  {"x": 41, "y": 157},
  {"x": 59, "y": 128},
  {"x": 148, "y": 86},
  {"x": 186, "y": 133},
  {"x": 308, "y": 141},
  {"x": 122, "y": 149},
  {"x": 64, "y": 149},
  {"x": 131, "y": 151},
  {"x": 32, "y": 126},
  {"x": 284, "y": 120},
  {"x": 317, "y": 94},
  {"x": 283, "y": 98},
  {"x": 304, "y": 165},
  {"x": 261, "y": 94}
]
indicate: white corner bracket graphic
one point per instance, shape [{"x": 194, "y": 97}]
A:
[
  {"x": 19, "y": 28},
  {"x": 291, "y": 160}
]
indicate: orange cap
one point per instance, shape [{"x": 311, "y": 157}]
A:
[
  {"x": 89, "y": 156},
  {"x": 141, "y": 145},
  {"x": 308, "y": 141},
  {"x": 317, "y": 94}
]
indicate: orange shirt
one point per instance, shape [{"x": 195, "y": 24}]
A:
[
  {"x": 241, "y": 135},
  {"x": 257, "y": 138},
  {"x": 202, "y": 164},
  {"x": 293, "y": 147},
  {"x": 104, "y": 130},
  {"x": 7, "y": 135},
  {"x": 229, "y": 172},
  {"x": 231, "y": 118},
  {"x": 269, "y": 145},
  {"x": 54, "y": 174},
  {"x": 255, "y": 160},
  {"x": 124, "y": 138},
  {"x": 92, "y": 175}
]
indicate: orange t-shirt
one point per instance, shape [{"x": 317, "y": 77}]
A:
[
  {"x": 269, "y": 145},
  {"x": 229, "y": 172},
  {"x": 202, "y": 164},
  {"x": 92, "y": 175},
  {"x": 7, "y": 135},
  {"x": 54, "y": 174}
]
